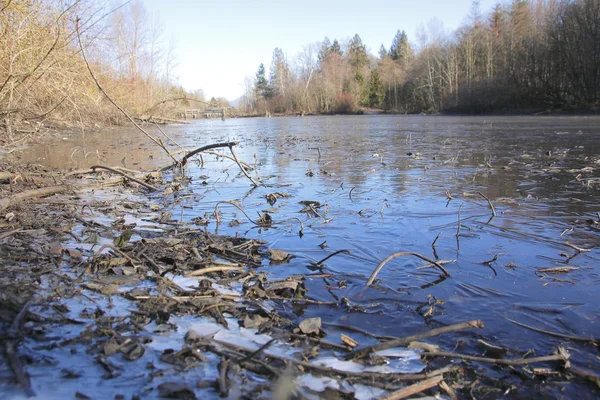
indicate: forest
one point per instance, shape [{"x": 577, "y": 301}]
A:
[
  {"x": 43, "y": 74},
  {"x": 523, "y": 56}
]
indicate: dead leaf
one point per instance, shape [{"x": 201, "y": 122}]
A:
[
  {"x": 310, "y": 326},
  {"x": 74, "y": 253},
  {"x": 279, "y": 255},
  {"x": 348, "y": 340}
]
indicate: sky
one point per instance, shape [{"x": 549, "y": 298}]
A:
[{"x": 220, "y": 42}]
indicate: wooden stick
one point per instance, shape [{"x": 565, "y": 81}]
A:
[
  {"x": 331, "y": 255},
  {"x": 412, "y": 389},
  {"x": 406, "y": 340},
  {"x": 218, "y": 154},
  {"x": 498, "y": 361},
  {"x": 556, "y": 334},
  {"x": 213, "y": 269},
  {"x": 28, "y": 194},
  {"x": 131, "y": 178},
  {"x": 401, "y": 254},
  {"x": 10, "y": 233},
  {"x": 200, "y": 150},
  {"x": 216, "y": 212},
  {"x": 489, "y": 203},
  {"x": 242, "y": 168}
]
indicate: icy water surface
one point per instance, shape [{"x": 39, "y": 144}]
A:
[{"x": 385, "y": 184}]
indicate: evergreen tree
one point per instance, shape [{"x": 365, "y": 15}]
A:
[
  {"x": 336, "y": 48},
  {"x": 400, "y": 50},
  {"x": 376, "y": 89},
  {"x": 357, "y": 53},
  {"x": 382, "y": 52},
  {"x": 261, "y": 85},
  {"x": 279, "y": 73},
  {"x": 325, "y": 49}
]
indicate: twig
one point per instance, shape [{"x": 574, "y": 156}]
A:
[
  {"x": 579, "y": 249},
  {"x": 10, "y": 233},
  {"x": 555, "y": 334},
  {"x": 213, "y": 269},
  {"x": 436, "y": 239},
  {"x": 200, "y": 150},
  {"x": 401, "y": 254},
  {"x": 12, "y": 357},
  {"x": 47, "y": 191},
  {"x": 489, "y": 203},
  {"x": 257, "y": 352},
  {"x": 406, "y": 340},
  {"x": 216, "y": 212},
  {"x": 131, "y": 178},
  {"x": 216, "y": 153},
  {"x": 89, "y": 68},
  {"x": 412, "y": 389},
  {"x": 458, "y": 219},
  {"x": 165, "y": 135},
  {"x": 498, "y": 361},
  {"x": 331, "y": 255},
  {"x": 222, "y": 380},
  {"x": 241, "y": 167}
]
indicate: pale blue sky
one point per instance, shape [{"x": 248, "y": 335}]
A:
[{"x": 219, "y": 42}]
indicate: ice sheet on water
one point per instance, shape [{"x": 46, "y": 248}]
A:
[{"x": 409, "y": 363}]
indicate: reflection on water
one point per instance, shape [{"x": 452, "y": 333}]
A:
[{"x": 383, "y": 182}]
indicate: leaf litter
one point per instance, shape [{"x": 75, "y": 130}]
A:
[{"x": 139, "y": 305}]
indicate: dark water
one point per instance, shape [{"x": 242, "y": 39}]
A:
[{"x": 382, "y": 182}]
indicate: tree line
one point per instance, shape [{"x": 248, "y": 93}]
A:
[
  {"x": 523, "y": 55},
  {"x": 43, "y": 74}
]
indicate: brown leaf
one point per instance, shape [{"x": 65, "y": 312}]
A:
[
  {"x": 310, "y": 326},
  {"x": 348, "y": 340},
  {"x": 279, "y": 255},
  {"x": 74, "y": 253},
  {"x": 57, "y": 251}
]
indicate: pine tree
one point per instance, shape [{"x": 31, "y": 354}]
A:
[
  {"x": 376, "y": 89},
  {"x": 261, "y": 85},
  {"x": 336, "y": 48},
  {"x": 357, "y": 53},
  {"x": 279, "y": 73},
  {"x": 382, "y": 52},
  {"x": 400, "y": 50},
  {"x": 325, "y": 49}
]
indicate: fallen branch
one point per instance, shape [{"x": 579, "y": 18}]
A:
[
  {"x": 406, "y": 340},
  {"x": 10, "y": 233},
  {"x": 192, "y": 153},
  {"x": 412, "y": 389},
  {"x": 204, "y": 271},
  {"x": 498, "y": 361},
  {"x": 30, "y": 194},
  {"x": 401, "y": 254},
  {"x": 131, "y": 178},
  {"x": 555, "y": 334}
]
